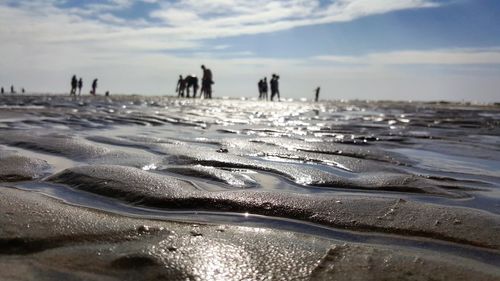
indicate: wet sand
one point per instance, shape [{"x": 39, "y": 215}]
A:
[{"x": 153, "y": 188}]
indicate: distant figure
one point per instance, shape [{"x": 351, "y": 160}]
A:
[
  {"x": 191, "y": 81},
  {"x": 74, "y": 83},
  {"x": 2, "y": 91},
  {"x": 259, "y": 86},
  {"x": 181, "y": 86},
  {"x": 317, "y": 94},
  {"x": 264, "y": 88},
  {"x": 80, "y": 85},
  {"x": 22, "y": 90},
  {"x": 206, "y": 82},
  {"x": 275, "y": 87},
  {"x": 107, "y": 94},
  {"x": 94, "y": 87},
  {"x": 12, "y": 91}
]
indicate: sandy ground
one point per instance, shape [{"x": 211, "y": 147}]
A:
[{"x": 374, "y": 191}]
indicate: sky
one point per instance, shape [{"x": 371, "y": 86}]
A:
[{"x": 352, "y": 49}]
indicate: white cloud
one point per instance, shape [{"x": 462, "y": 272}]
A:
[
  {"x": 436, "y": 57},
  {"x": 176, "y": 17},
  {"x": 41, "y": 29},
  {"x": 221, "y": 47},
  {"x": 112, "y": 19},
  {"x": 351, "y": 9},
  {"x": 202, "y": 19}
]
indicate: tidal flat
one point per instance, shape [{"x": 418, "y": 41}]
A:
[{"x": 161, "y": 188}]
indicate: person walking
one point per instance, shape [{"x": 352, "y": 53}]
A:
[
  {"x": 317, "y": 94},
  {"x": 74, "y": 83},
  {"x": 259, "y": 86},
  {"x": 94, "y": 87},
  {"x": 181, "y": 86},
  {"x": 191, "y": 82},
  {"x": 264, "y": 89},
  {"x": 206, "y": 82},
  {"x": 275, "y": 87},
  {"x": 80, "y": 85}
]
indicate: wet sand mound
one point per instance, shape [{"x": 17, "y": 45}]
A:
[
  {"x": 360, "y": 262},
  {"x": 77, "y": 149},
  {"x": 300, "y": 167},
  {"x": 83, "y": 243},
  {"x": 461, "y": 225},
  {"x": 92, "y": 245},
  {"x": 231, "y": 178},
  {"x": 332, "y": 148},
  {"x": 309, "y": 174},
  {"x": 64, "y": 145},
  {"x": 14, "y": 167}
]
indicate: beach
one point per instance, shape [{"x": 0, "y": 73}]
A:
[{"x": 162, "y": 188}]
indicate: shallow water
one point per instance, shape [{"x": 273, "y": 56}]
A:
[{"x": 449, "y": 152}]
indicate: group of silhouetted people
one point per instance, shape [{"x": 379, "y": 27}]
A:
[
  {"x": 273, "y": 84},
  {"x": 191, "y": 82},
  {"x": 12, "y": 90},
  {"x": 78, "y": 84},
  {"x": 184, "y": 85}
]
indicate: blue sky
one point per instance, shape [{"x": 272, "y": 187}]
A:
[{"x": 365, "y": 49}]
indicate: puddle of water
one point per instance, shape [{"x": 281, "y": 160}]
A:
[{"x": 451, "y": 163}]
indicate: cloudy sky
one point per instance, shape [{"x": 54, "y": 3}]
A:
[{"x": 365, "y": 49}]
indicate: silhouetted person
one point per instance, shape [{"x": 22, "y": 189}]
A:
[
  {"x": 94, "y": 87},
  {"x": 181, "y": 86},
  {"x": 206, "y": 82},
  {"x": 12, "y": 91},
  {"x": 275, "y": 87},
  {"x": 80, "y": 85},
  {"x": 22, "y": 90},
  {"x": 191, "y": 82},
  {"x": 259, "y": 86},
  {"x": 264, "y": 88},
  {"x": 2, "y": 91},
  {"x": 107, "y": 94},
  {"x": 74, "y": 83},
  {"x": 317, "y": 94}
]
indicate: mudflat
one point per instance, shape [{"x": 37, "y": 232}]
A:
[{"x": 159, "y": 188}]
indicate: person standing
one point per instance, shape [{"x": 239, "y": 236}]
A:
[
  {"x": 259, "y": 86},
  {"x": 206, "y": 82},
  {"x": 2, "y": 91},
  {"x": 80, "y": 85},
  {"x": 12, "y": 91},
  {"x": 275, "y": 87},
  {"x": 181, "y": 86},
  {"x": 317, "y": 94},
  {"x": 264, "y": 88},
  {"x": 74, "y": 83},
  {"x": 94, "y": 87},
  {"x": 191, "y": 81}
]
